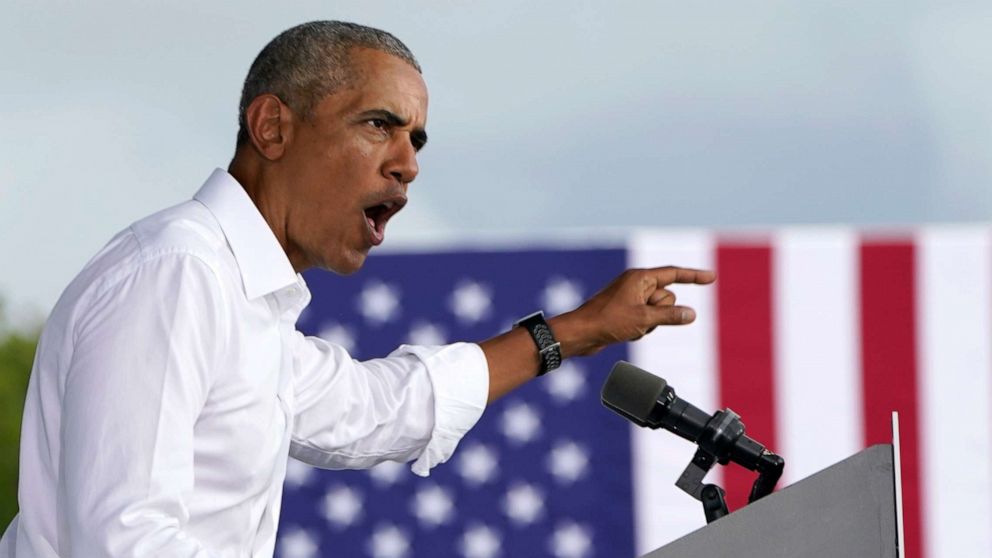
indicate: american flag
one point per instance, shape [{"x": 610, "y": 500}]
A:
[{"x": 812, "y": 335}]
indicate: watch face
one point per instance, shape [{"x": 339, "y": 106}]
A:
[{"x": 530, "y": 318}]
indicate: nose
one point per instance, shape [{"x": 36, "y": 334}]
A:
[{"x": 402, "y": 165}]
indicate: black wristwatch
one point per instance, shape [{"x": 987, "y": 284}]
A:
[{"x": 547, "y": 346}]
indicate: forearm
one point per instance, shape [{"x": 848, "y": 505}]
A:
[
  {"x": 513, "y": 357},
  {"x": 627, "y": 309},
  {"x": 417, "y": 402}
]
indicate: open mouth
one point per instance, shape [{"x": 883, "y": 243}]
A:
[{"x": 378, "y": 215}]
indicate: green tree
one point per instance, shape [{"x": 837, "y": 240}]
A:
[{"x": 16, "y": 356}]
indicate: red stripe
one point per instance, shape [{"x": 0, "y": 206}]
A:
[
  {"x": 744, "y": 339},
  {"x": 888, "y": 358}
]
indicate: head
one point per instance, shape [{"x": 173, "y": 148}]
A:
[{"x": 332, "y": 116}]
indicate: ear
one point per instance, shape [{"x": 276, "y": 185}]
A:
[{"x": 270, "y": 124}]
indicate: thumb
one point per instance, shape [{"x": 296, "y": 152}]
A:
[{"x": 672, "y": 315}]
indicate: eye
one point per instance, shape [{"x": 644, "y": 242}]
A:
[{"x": 378, "y": 123}]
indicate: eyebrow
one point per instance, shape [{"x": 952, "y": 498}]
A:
[{"x": 418, "y": 136}]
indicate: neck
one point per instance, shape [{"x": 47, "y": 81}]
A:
[{"x": 263, "y": 187}]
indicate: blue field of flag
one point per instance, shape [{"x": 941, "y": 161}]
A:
[{"x": 546, "y": 471}]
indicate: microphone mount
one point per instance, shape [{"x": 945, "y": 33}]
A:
[
  {"x": 722, "y": 436},
  {"x": 647, "y": 400}
]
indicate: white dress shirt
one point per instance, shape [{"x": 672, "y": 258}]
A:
[{"x": 170, "y": 386}]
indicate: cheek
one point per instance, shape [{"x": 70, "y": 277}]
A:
[
  {"x": 349, "y": 163},
  {"x": 366, "y": 150},
  {"x": 359, "y": 152}
]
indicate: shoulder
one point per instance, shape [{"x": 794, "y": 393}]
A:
[
  {"x": 185, "y": 229},
  {"x": 183, "y": 239}
]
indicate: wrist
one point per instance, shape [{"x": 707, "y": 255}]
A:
[{"x": 574, "y": 334}]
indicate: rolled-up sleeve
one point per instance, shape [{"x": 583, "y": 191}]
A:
[
  {"x": 141, "y": 369},
  {"x": 415, "y": 404}
]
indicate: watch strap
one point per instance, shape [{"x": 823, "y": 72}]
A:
[{"x": 548, "y": 347}]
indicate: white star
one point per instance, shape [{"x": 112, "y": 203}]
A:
[
  {"x": 480, "y": 541},
  {"x": 561, "y": 295},
  {"x": 379, "y": 302},
  {"x": 567, "y": 462},
  {"x": 387, "y": 473},
  {"x": 471, "y": 302},
  {"x": 298, "y": 473},
  {"x": 338, "y": 334},
  {"x": 523, "y": 504},
  {"x": 520, "y": 423},
  {"x": 432, "y": 506},
  {"x": 570, "y": 540},
  {"x": 342, "y": 506},
  {"x": 477, "y": 464},
  {"x": 565, "y": 384},
  {"x": 388, "y": 541},
  {"x": 298, "y": 543},
  {"x": 426, "y": 333}
]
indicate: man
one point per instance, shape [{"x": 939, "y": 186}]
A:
[{"x": 170, "y": 383}]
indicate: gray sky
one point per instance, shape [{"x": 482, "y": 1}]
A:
[{"x": 546, "y": 117}]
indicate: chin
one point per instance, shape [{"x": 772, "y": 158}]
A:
[{"x": 345, "y": 265}]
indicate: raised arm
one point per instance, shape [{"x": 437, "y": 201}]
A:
[{"x": 627, "y": 309}]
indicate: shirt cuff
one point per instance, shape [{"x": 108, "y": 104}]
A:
[{"x": 459, "y": 374}]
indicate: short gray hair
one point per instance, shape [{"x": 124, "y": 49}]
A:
[{"x": 304, "y": 64}]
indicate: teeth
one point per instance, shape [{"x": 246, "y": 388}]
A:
[{"x": 389, "y": 205}]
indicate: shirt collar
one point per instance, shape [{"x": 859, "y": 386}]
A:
[{"x": 262, "y": 261}]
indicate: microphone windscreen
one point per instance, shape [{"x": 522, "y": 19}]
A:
[{"x": 632, "y": 392}]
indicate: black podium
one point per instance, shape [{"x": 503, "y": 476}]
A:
[{"x": 848, "y": 510}]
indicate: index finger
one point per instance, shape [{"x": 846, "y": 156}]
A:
[{"x": 672, "y": 274}]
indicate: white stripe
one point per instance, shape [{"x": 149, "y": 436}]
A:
[
  {"x": 817, "y": 358},
  {"x": 897, "y": 465},
  {"x": 955, "y": 325},
  {"x": 685, "y": 356}
]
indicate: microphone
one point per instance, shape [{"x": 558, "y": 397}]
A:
[{"x": 648, "y": 401}]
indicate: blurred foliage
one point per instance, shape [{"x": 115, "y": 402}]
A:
[{"x": 16, "y": 356}]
